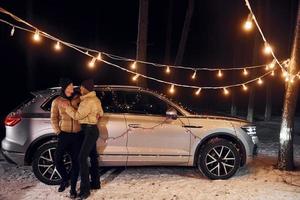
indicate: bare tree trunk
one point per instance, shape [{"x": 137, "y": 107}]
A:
[
  {"x": 141, "y": 50},
  {"x": 251, "y": 104},
  {"x": 286, "y": 154},
  {"x": 169, "y": 33},
  {"x": 268, "y": 110},
  {"x": 185, "y": 32},
  {"x": 233, "y": 104}
]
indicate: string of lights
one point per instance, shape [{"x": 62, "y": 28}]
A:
[{"x": 99, "y": 57}]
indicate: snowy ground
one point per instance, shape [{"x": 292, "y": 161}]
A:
[{"x": 259, "y": 180}]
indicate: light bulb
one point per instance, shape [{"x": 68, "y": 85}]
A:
[
  {"x": 92, "y": 63},
  {"x": 198, "y": 91},
  {"x": 168, "y": 70},
  {"x": 248, "y": 25},
  {"x": 272, "y": 64},
  {"x": 99, "y": 57},
  {"x": 245, "y": 88},
  {"x": 194, "y": 75},
  {"x": 220, "y": 74},
  {"x": 260, "y": 82},
  {"x": 12, "y": 31},
  {"x": 36, "y": 36},
  {"x": 284, "y": 74},
  {"x": 135, "y": 77},
  {"x": 225, "y": 91},
  {"x": 133, "y": 66},
  {"x": 273, "y": 73},
  {"x": 245, "y": 72},
  {"x": 172, "y": 89},
  {"x": 267, "y": 49},
  {"x": 57, "y": 46}
]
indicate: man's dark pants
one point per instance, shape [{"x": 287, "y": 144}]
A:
[
  {"x": 68, "y": 142},
  {"x": 88, "y": 148}
]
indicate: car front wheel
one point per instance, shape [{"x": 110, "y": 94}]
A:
[
  {"x": 219, "y": 159},
  {"x": 43, "y": 164}
]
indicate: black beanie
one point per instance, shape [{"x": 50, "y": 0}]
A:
[
  {"x": 64, "y": 82},
  {"x": 88, "y": 84}
]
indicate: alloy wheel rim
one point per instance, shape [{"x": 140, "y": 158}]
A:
[
  {"x": 46, "y": 164},
  {"x": 220, "y": 161}
]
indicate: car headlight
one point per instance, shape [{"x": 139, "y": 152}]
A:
[{"x": 250, "y": 130}]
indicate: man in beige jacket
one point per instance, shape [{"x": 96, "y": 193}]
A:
[
  {"x": 67, "y": 130},
  {"x": 88, "y": 114}
]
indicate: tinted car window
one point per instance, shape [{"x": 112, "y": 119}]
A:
[
  {"x": 111, "y": 102},
  {"x": 143, "y": 103},
  {"x": 47, "y": 105}
]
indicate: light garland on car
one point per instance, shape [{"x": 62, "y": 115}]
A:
[{"x": 37, "y": 34}]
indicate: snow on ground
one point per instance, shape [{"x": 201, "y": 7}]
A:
[{"x": 259, "y": 180}]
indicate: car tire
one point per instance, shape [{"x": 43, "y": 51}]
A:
[
  {"x": 44, "y": 167},
  {"x": 219, "y": 159}
]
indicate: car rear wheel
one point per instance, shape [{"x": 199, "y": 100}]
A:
[
  {"x": 219, "y": 159},
  {"x": 43, "y": 164}
]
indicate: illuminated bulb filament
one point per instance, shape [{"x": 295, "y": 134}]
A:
[
  {"x": 198, "y": 91},
  {"x": 259, "y": 81},
  {"x": 92, "y": 63},
  {"x": 245, "y": 88},
  {"x": 194, "y": 75},
  {"x": 226, "y": 92},
  {"x": 245, "y": 72},
  {"x": 135, "y": 77},
  {"x": 248, "y": 24},
  {"x": 172, "y": 89},
  {"x": 36, "y": 36},
  {"x": 12, "y": 31},
  {"x": 220, "y": 74},
  {"x": 268, "y": 49},
  {"x": 57, "y": 46},
  {"x": 133, "y": 66},
  {"x": 168, "y": 70},
  {"x": 99, "y": 57}
]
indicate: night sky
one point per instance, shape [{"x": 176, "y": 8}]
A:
[{"x": 215, "y": 40}]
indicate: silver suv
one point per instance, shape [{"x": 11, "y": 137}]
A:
[{"x": 139, "y": 127}]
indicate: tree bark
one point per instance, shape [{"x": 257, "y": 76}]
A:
[
  {"x": 286, "y": 154},
  {"x": 185, "y": 32},
  {"x": 268, "y": 110},
  {"x": 233, "y": 104},
  {"x": 251, "y": 104},
  {"x": 169, "y": 33},
  {"x": 141, "y": 50}
]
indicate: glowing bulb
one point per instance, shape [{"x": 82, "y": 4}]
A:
[
  {"x": 260, "y": 82},
  {"x": 57, "y": 46},
  {"x": 287, "y": 79},
  {"x": 168, "y": 70},
  {"x": 292, "y": 80},
  {"x": 92, "y": 63},
  {"x": 272, "y": 64},
  {"x": 198, "y": 91},
  {"x": 268, "y": 49},
  {"x": 12, "y": 31},
  {"x": 220, "y": 74},
  {"x": 245, "y": 72},
  {"x": 248, "y": 24},
  {"x": 194, "y": 75},
  {"x": 245, "y": 88},
  {"x": 133, "y": 66},
  {"x": 284, "y": 74},
  {"x": 172, "y": 89},
  {"x": 99, "y": 57},
  {"x": 225, "y": 91},
  {"x": 298, "y": 76},
  {"x": 36, "y": 36},
  {"x": 267, "y": 67},
  {"x": 273, "y": 73},
  {"x": 135, "y": 77}
]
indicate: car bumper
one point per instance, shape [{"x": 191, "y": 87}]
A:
[{"x": 7, "y": 149}]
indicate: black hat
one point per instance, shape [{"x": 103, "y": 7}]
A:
[
  {"x": 88, "y": 84},
  {"x": 64, "y": 82}
]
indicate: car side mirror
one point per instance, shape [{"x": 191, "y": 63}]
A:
[{"x": 171, "y": 113}]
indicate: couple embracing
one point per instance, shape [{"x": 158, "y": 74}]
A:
[{"x": 74, "y": 118}]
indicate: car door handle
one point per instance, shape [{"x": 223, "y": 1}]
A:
[{"x": 134, "y": 125}]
